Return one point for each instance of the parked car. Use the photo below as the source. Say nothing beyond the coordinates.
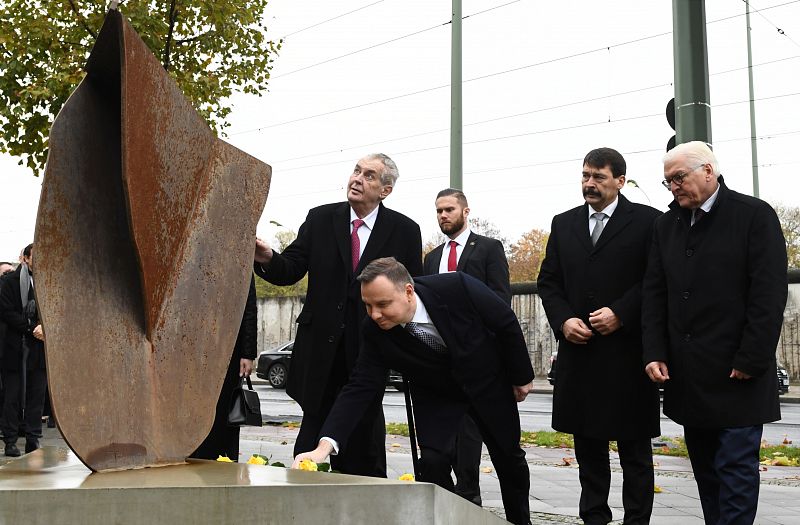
(783, 375)
(273, 365)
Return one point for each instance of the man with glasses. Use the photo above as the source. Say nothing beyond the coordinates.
(590, 285)
(713, 301)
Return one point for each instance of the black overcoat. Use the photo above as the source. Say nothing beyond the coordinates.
(714, 297)
(333, 309)
(18, 329)
(601, 389)
(483, 258)
(486, 355)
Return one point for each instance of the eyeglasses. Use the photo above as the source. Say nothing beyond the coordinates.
(678, 178)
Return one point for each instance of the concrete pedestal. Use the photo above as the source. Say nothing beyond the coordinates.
(51, 486)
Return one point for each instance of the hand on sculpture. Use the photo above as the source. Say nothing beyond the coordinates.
(38, 333)
(245, 367)
(605, 321)
(657, 371)
(521, 392)
(736, 374)
(576, 331)
(263, 254)
(318, 455)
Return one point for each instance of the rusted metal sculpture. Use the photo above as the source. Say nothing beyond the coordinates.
(144, 249)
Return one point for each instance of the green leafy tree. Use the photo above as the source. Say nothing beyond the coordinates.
(790, 224)
(211, 48)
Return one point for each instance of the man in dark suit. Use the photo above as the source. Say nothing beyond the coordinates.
(23, 365)
(334, 243)
(590, 286)
(463, 350)
(483, 258)
(713, 302)
(5, 268)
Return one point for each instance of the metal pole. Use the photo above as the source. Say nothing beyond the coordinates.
(753, 145)
(456, 153)
(412, 434)
(692, 98)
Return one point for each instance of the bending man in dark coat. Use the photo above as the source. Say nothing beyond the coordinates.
(590, 285)
(483, 258)
(334, 243)
(714, 297)
(467, 355)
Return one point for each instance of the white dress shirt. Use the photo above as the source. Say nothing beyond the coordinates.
(461, 241)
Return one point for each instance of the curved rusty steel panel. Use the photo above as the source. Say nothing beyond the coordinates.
(144, 248)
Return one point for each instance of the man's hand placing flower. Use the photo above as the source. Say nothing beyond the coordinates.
(318, 455)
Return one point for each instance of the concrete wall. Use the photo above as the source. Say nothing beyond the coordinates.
(276, 324)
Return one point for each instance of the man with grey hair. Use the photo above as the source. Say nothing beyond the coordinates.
(332, 246)
(713, 300)
(463, 351)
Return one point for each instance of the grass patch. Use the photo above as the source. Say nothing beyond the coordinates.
(544, 438)
(397, 429)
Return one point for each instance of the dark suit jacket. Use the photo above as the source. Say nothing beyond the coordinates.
(714, 297)
(17, 327)
(486, 356)
(483, 258)
(333, 310)
(601, 388)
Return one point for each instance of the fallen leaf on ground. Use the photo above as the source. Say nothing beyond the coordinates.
(486, 470)
(567, 461)
(657, 489)
(394, 445)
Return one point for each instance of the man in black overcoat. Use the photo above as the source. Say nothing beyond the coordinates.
(590, 286)
(332, 246)
(713, 302)
(463, 351)
(23, 364)
(483, 258)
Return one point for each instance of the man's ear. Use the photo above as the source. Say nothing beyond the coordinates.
(385, 191)
(409, 290)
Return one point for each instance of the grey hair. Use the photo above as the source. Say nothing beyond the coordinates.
(697, 151)
(390, 174)
(389, 267)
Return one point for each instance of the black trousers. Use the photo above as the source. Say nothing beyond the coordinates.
(594, 471)
(725, 466)
(34, 403)
(365, 454)
(509, 463)
(223, 440)
(467, 461)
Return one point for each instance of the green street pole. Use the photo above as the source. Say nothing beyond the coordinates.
(692, 99)
(456, 146)
(753, 145)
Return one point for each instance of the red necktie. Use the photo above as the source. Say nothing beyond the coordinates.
(355, 243)
(451, 259)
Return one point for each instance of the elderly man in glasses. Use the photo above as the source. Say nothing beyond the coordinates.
(712, 308)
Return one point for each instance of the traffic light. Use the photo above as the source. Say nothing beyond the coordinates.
(671, 121)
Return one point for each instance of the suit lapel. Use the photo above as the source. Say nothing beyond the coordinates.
(469, 249)
(380, 234)
(440, 315)
(341, 232)
(619, 220)
(580, 227)
(434, 260)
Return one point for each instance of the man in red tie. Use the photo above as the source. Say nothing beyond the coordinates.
(332, 246)
(483, 258)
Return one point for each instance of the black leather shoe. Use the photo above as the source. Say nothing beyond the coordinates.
(51, 422)
(12, 451)
(31, 445)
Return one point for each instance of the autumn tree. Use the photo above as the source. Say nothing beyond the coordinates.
(790, 224)
(527, 255)
(211, 49)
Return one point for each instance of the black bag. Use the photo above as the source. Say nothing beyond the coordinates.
(245, 407)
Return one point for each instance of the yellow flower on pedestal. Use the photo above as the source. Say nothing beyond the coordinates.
(225, 459)
(406, 477)
(256, 460)
(307, 464)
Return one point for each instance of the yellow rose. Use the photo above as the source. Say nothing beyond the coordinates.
(225, 459)
(406, 477)
(255, 460)
(307, 464)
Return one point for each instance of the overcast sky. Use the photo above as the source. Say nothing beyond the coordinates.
(544, 82)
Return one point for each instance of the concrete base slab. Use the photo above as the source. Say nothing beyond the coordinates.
(52, 486)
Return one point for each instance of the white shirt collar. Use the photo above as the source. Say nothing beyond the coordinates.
(462, 238)
(369, 220)
(706, 206)
(421, 314)
(608, 210)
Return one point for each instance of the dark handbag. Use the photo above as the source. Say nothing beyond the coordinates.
(245, 408)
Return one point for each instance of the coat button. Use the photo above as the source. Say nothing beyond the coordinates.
(339, 306)
(685, 295)
(342, 326)
(590, 297)
(687, 337)
(689, 252)
(330, 339)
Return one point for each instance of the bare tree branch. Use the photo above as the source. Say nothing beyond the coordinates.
(173, 15)
(82, 19)
(210, 32)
